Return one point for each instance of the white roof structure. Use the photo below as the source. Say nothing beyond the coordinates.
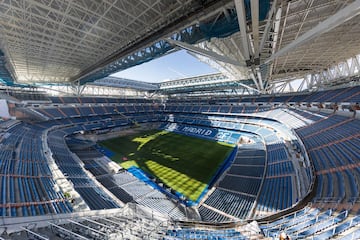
(270, 42)
(316, 41)
(58, 41)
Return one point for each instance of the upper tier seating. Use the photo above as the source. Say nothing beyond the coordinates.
(349, 94)
(333, 145)
(27, 187)
(92, 194)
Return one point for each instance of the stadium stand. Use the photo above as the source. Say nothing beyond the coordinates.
(124, 185)
(92, 194)
(333, 193)
(200, 234)
(27, 188)
(189, 119)
(267, 164)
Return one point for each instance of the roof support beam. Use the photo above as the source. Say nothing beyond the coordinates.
(356, 63)
(253, 77)
(255, 27)
(240, 11)
(302, 84)
(248, 87)
(269, 22)
(204, 52)
(335, 20)
(259, 78)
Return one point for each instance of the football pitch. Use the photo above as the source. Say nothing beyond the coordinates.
(186, 164)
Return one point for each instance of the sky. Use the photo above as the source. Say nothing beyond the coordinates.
(173, 66)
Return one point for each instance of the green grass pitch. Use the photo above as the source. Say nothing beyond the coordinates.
(186, 164)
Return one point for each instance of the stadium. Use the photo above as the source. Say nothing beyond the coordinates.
(265, 147)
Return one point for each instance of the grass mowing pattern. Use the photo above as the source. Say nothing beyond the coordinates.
(185, 164)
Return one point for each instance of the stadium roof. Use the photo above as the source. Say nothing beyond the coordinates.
(263, 41)
(125, 83)
(58, 41)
